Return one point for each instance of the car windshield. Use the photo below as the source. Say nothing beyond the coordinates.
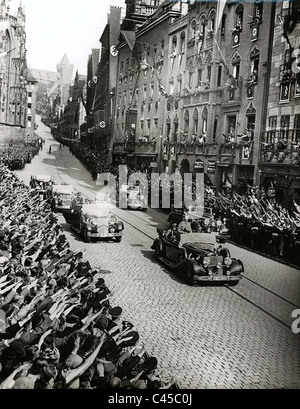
(203, 240)
(97, 220)
(201, 245)
(64, 196)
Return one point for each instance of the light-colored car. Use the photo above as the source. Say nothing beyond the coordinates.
(41, 184)
(95, 222)
(135, 199)
(61, 197)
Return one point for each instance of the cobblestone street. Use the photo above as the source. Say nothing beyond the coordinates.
(208, 337)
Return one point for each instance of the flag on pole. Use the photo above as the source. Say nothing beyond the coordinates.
(220, 9)
(4, 53)
(222, 56)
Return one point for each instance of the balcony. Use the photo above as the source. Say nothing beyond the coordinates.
(199, 95)
(196, 148)
(136, 147)
(280, 146)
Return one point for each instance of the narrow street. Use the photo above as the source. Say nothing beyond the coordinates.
(208, 337)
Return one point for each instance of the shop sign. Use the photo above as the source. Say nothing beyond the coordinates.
(211, 167)
(198, 164)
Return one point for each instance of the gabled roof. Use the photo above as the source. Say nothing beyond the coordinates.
(30, 77)
(45, 76)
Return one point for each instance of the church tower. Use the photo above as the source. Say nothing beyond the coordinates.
(65, 69)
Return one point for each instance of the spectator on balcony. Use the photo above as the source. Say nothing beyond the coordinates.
(202, 139)
(282, 144)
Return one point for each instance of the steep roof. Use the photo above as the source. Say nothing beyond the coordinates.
(65, 60)
(44, 75)
(30, 77)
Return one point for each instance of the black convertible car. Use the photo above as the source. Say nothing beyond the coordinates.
(198, 258)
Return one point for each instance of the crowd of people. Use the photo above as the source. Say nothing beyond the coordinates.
(58, 327)
(257, 223)
(16, 157)
(254, 220)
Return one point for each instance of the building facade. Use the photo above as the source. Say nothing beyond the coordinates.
(143, 54)
(31, 105)
(196, 87)
(74, 114)
(104, 82)
(279, 161)
(13, 76)
(53, 89)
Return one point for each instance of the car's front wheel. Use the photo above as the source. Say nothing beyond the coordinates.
(86, 236)
(119, 239)
(189, 276)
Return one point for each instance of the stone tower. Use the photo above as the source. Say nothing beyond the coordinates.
(65, 69)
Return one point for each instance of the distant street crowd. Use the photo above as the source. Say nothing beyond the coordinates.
(16, 157)
(58, 329)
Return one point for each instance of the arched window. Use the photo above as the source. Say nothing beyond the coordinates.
(235, 62)
(239, 12)
(175, 134)
(216, 122)
(168, 123)
(258, 10)
(202, 25)
(211, 23)
(250, 116)
(204, 121)
(174, 43)
(195, 122)
(186, 121)
(254, 64)
(182, 42)
(193, 28)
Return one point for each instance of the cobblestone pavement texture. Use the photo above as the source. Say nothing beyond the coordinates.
(208, 337)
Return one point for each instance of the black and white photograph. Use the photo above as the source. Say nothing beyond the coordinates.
(150, 197)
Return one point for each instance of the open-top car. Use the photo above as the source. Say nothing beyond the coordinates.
(135, 198)
(192, 213)
(95, 222)
(61, 197)
(41, 184)
(198, 258)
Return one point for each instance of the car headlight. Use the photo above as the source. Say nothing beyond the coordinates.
(206, 261)
(210, 273)
(227, 261)
(111, 229)
(119, 226)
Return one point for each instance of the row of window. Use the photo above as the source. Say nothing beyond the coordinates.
(284, 132)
